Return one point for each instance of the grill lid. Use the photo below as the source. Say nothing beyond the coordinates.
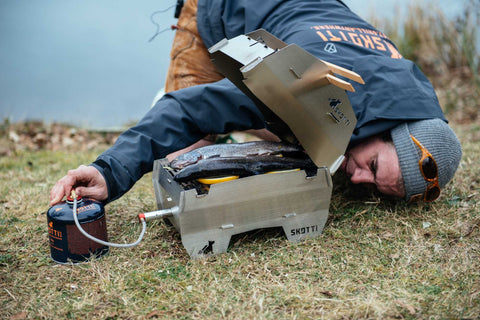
(295, 91)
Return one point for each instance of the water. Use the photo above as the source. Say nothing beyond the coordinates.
(89, 63)
(84, 62)
(390, 9)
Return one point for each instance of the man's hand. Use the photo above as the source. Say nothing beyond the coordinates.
(87, 182)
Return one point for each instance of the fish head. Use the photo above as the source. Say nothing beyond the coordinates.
(186, 159)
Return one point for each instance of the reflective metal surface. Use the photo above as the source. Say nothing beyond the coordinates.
(206, 222)
(300, 97)
(299, 88)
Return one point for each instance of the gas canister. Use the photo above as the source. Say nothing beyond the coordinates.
(67, 243)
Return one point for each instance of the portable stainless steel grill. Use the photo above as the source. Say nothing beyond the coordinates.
(302, 91)
(207, 217)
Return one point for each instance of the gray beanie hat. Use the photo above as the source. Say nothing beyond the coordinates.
(439, 139)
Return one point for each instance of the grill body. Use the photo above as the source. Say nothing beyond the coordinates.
(209, 216)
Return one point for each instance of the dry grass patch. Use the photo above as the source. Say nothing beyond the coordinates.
(376, 258)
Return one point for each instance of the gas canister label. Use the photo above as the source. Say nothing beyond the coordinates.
(56, 234)
(85, 208)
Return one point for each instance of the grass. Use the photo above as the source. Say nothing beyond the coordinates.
(446, 50)
(376, 259)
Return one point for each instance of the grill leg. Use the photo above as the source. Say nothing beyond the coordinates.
(201, 244)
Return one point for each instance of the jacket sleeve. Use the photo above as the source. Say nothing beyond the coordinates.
(178, 120)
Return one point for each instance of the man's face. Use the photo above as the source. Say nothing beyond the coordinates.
(374, 162)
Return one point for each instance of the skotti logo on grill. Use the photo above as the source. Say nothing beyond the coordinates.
(303, 230)
(337, 113)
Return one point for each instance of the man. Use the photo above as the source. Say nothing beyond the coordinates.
(401, 143)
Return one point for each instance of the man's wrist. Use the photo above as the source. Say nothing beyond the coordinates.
(106, 172)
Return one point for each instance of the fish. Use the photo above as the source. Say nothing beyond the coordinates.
(237, 166)
(231, 150)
